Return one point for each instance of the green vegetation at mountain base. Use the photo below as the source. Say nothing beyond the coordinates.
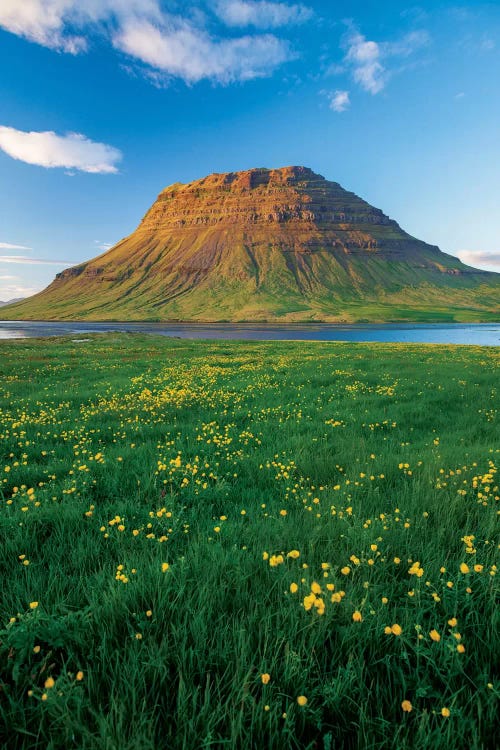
(269, 245)
(248, 545)
(460, 300)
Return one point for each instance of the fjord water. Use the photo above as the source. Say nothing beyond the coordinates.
(479, 334)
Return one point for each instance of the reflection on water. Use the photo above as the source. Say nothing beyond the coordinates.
(481, 334)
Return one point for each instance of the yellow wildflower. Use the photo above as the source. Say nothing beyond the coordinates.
(275, 560)
(416, 570)
(309, 601)
(320, 606)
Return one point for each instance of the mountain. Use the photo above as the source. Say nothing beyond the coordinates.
(11, 301)
(267, 244)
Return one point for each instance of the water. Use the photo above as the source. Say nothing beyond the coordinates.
(480, 334)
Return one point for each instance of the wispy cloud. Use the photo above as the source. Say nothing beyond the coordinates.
(479, 258)
(172, 44)
(13, 287)
(367, 59)
(24, 260)
(14, 291)
(103, 245)
(364, 56)
(43, 22)
(47, 149)
(339, 100)
(10, 246)
(407, 45)
(261, 13)
(181, 50)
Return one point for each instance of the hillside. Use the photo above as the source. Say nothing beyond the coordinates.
(282, 244)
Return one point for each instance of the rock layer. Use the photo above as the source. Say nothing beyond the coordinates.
(268, 244)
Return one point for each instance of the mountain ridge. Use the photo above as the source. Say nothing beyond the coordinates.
(267, 244)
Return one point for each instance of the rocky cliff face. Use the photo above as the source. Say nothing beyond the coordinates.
(294, 196)
(263, 243)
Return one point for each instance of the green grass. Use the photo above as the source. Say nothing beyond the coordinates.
(127, 451)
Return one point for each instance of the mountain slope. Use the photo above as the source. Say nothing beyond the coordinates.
(282, 244)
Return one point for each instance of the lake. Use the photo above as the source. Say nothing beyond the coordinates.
(479, 334)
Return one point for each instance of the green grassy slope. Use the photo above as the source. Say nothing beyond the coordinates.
(263, 284)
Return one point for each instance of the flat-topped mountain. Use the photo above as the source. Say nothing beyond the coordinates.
(267, 244)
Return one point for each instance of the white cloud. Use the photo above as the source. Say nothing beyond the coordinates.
(10, 246)
(261, 13)
(477, 259)
(47, 149)
(24, 260)
(183, 51)
(41, 21)
(56, 23)
(339, 101)
(365, 57)
(169, 44)
(405, 46)
(14, 291)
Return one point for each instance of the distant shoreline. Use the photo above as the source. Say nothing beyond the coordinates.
(482, 333)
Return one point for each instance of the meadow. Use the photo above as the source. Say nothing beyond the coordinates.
(248, 545)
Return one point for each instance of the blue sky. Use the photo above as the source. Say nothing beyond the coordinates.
(105, 102)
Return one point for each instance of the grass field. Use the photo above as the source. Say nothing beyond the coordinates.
(248, 545)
